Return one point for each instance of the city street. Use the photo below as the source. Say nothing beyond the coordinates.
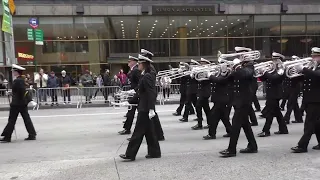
(83, 144)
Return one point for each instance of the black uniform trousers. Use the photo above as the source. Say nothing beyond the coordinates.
(191, 100)
(202, 102)
(130, 116)
(283, 103)
(183, 98)
(219, 111)
(274, 111)
(241, 120)
(302, 107)
(293, 105)
(144, 127)
(157, 126)
(311, 125)
(13, 115)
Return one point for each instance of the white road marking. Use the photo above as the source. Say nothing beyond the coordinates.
(75, 115)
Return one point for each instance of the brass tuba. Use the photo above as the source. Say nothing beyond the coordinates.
(261, 68)
(292, 70)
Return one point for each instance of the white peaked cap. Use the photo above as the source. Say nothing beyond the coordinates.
(133, 58)
(195, 62)
(204, 60)
(144, 59)
(242, 49)
(277, 55)
(315, 51)
(294, 57)
(143, 51)
(17, 67)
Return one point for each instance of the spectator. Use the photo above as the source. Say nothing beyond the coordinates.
(123, 77)
(106, 83)
(41, 80)
(53, 84)
(65, 82)
(115, 81)
(87, 81)
(99, 83)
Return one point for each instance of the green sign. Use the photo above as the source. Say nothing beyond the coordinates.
(30, 34)
(7, 18)
(39, 36)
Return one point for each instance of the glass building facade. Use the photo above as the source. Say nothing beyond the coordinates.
(100, 42)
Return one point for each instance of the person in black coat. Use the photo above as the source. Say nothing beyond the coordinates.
(146, 111)
(220, 111)
(274, 94)
(204, 92)
(183, 97)
(242, 102)
(106, 82)
(133, 79)
(18, 105)
(311, 100)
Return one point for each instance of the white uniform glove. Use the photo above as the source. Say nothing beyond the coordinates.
(192, 75)
(299, 68)
(132, 91)
(32, 103)
(151, 113)
(236, 61)
(280, 71)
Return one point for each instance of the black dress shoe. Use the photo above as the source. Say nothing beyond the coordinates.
(317, 147)
(263, 134)
(248, 150)
(226, 153)
(208, 137)
(129, 139)
(183, 120)
(124, 132)
(287, 121)
(196, 127)
(298, 149)
(30, 138)
(176, 114)
(254, 124)
(123, 156)
(297, 121)
(281, 132)
(148, 156)
(206, 127)
(226, 135)
(125, 116)
(5, 140)
(161, 139)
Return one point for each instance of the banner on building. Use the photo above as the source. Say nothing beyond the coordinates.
(6, 17)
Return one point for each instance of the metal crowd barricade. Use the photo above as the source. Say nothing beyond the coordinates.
(6, 97)
(104, 94)
(58, 96)
(170, 93)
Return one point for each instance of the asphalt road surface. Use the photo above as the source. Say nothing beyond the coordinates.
(83, 144)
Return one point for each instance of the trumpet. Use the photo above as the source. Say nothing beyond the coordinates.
(243, 56)
(292, 70)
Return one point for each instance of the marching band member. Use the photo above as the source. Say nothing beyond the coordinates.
(204, 89)
(183, 96)
(146, 111)
(311, 100)
(157, 124)
(133, 76)
(220, 97)
(255, 98)
(242, 76)
(274, 94)
(18, 105)
(192, 88)
(293, 86)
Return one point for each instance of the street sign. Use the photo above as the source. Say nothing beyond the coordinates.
(34, 22)
(39, 36)
(30, 34)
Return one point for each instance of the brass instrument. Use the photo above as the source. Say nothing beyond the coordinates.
(261, 68)
(243, 56)
(292, 70)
